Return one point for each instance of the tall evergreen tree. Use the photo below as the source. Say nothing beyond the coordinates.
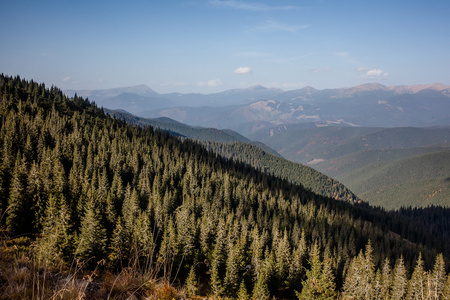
(360, 277)
(92, 239)
(319, 283)
(261, 288)
(19, 218)
(437, 279)
(56, 242)
(218, 261)
(417, 283)
(242, 292)
(191, 283)
(399, 280)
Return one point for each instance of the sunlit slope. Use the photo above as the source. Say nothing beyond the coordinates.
(296, 173)
(385, 166)
(339, 166)
(415, 181)
(327, 143)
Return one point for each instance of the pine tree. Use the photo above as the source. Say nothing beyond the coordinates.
(446, 294)
(417, 283)
(92, 239)
(399, 280)
(37, 198)
(119, 248)
(437, 278)
(218, 261)
(296, 269)
(191, 283)
(56, 242)
(327, 279)
(386, 280)
(186, 232)
(242, 292)
(319, 283)
(168, 250)
(282, 259)
(261, 288)
(216, 283)
(311, 286)
(233, 269)
(19, 218)
(360, 277)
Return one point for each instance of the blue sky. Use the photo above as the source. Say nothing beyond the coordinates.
(214, 45)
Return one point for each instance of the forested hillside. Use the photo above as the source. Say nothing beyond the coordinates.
(232, 145)
(388, 167)
(285, 169)
(93, 206)
(420, 180)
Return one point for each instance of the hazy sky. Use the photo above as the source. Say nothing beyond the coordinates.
(213, 45)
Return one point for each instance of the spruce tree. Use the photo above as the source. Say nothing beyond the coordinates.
(319, 283)
(386, 280)
(233, 269)
(399, 280)
(56, 242)
(19, 218)
(296, 269)
(360, 276)
(261, 288)
(311, 286)
(218, 261)
(92, 239)
(283, 259)
(327, 279)
(191, 283)
(242, 293)
(417, 283)
(437, 278)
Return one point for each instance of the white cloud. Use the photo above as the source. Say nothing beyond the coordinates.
(65, 79)
(211, 83)
(374, 73)
(243, 70)
(251, 6)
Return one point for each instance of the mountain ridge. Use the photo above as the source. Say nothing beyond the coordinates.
(370, 104)
(145, 89)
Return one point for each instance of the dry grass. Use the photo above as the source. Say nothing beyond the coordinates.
(23, 277)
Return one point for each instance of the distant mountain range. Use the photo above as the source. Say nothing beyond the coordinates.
(247, 110)
(390, 167)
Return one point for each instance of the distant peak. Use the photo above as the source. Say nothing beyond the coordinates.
(140, 89)
(309, 89)
(257, 87)
(370, 87)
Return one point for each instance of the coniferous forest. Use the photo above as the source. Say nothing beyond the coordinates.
(94, 208)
